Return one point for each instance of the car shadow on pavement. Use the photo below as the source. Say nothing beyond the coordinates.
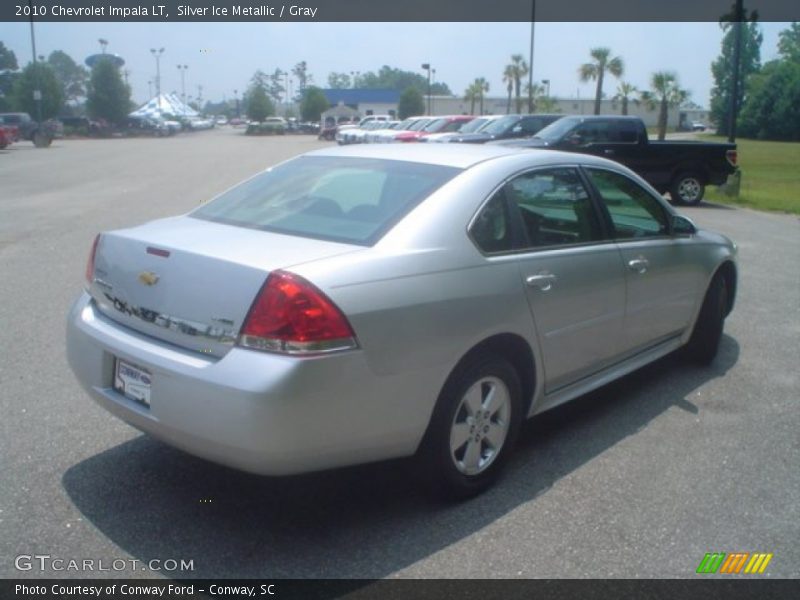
(155, 502)
(709, 204)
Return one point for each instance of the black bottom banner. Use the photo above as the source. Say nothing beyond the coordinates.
(415, 589)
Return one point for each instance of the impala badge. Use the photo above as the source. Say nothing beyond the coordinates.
(148, 278)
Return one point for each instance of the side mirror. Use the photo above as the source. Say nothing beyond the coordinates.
(683, 225)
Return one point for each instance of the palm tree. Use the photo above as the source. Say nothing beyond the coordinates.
(665, 93)
(517, 69)
(597, 70)
(508, 79)
(624, 92)
(535, 94)
(471, 94)
(482, 86)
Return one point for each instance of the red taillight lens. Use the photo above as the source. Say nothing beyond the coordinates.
(290, 315)
(90, 261)
(732, 156)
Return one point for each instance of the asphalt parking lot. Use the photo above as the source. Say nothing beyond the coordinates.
(638, 479)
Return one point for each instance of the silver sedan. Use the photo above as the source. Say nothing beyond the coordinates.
(369, 302)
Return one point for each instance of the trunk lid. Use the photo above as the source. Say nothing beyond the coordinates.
(191, 282)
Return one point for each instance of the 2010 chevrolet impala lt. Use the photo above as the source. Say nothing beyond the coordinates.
(368, 302)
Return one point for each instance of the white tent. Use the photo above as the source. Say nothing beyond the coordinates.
(165, 104)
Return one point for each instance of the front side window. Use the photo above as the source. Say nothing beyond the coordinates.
(347, 199)
(554, 207)
(634, 212)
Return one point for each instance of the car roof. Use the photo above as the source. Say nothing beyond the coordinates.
(604, 117)
(462, 156)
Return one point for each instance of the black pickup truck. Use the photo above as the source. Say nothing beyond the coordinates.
(682, 168)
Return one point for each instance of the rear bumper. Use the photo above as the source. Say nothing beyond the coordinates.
(258, 412)
(721, 177)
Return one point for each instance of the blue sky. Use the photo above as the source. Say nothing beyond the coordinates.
(223, 56)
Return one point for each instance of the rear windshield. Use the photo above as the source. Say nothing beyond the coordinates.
(347, 199)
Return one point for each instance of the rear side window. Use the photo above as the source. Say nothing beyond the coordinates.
(347, 199)
(547, 207)
(555, 208)
(491, 229)
(625, 132)
(633, 210)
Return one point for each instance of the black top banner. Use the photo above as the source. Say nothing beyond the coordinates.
(391, 10)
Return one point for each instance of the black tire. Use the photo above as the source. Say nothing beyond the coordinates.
(703, 345)
(41, 139)
(444, 467)
(687, 188)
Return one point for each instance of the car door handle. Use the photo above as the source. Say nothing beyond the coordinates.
(639, 264)
(608, 151)
(544, 281)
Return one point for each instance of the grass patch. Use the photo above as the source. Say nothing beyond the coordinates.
(770, 175)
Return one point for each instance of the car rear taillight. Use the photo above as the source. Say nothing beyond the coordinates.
(291, 316)
(732, 156)
(90, 261)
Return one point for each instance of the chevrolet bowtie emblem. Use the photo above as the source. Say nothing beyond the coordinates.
(148, 278)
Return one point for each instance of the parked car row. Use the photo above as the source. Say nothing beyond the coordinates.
(442, 129)
(682, 168)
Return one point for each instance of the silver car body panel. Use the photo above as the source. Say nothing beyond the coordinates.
(418, 300)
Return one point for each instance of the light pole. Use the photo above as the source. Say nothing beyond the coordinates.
(733, 104)
(157, 54)
(199, 98)
(546, 84)
(37, 92)
(286, 89)
(103, 44)
(182, 69)
(354, 75)
(530, 58)
(236, 97)
(433, 82)
(149, 88)
(427, 67)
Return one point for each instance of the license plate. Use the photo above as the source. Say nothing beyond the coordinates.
(132, 381)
